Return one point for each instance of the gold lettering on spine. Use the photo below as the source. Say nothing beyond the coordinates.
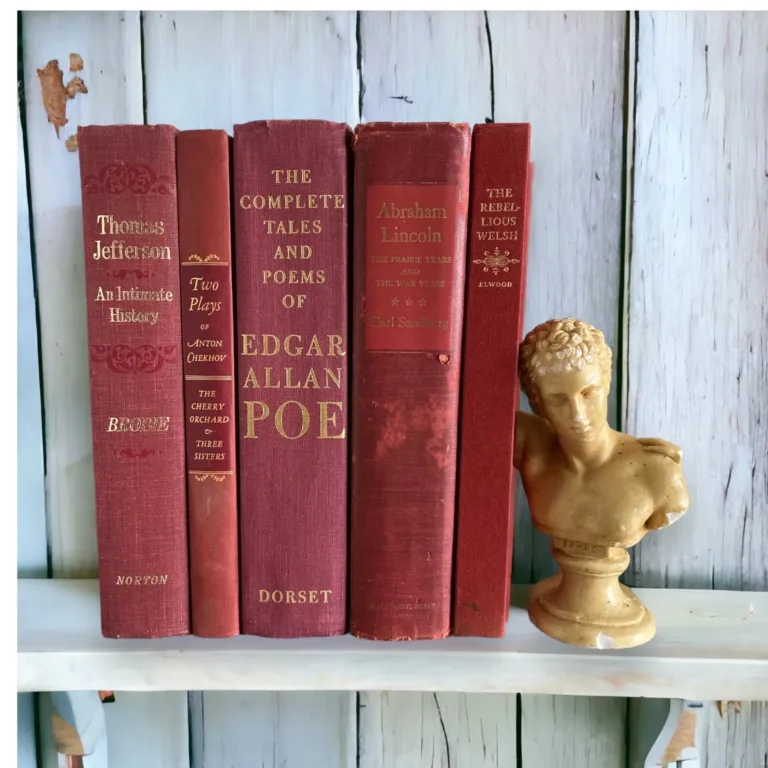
(304, 420)
(295, 596)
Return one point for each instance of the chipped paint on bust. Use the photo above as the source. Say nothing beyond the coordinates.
(604, 642)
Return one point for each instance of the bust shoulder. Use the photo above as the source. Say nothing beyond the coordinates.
(663, 472)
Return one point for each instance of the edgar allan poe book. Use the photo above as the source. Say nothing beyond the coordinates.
(291, 245)
(130, 227)
(209, 366)
(411, 198)
(490, 391)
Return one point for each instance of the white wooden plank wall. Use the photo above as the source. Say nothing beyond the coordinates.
(311, 73)
(697, 350)
(30, 522)
(696, 269)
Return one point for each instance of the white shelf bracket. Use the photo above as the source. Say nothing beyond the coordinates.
(677, 745)
(79, 729)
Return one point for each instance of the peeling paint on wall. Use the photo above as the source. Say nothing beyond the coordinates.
(56, 94)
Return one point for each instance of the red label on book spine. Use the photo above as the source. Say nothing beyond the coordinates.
(130, 226)
(406, 377)
(209, 367)
(490, 388)
(291, 203)
(409, 266)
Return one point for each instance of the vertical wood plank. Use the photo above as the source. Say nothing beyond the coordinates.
(249, 66)
(571, 731)
(430, 67)
(252, 66)
(425, 66)
(110, 46)
(31, 544)
(698, 356)
(32, 549)
(147, 730)
(437, 729)
(311, 730)
(564, 73)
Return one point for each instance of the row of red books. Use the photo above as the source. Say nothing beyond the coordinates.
(235, 493)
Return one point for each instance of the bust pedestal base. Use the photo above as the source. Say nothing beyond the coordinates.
(585, 604)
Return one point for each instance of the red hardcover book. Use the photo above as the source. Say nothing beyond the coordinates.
(291, 244)
(490, 387)
(130, 226)
(205, 246)
(411, 197)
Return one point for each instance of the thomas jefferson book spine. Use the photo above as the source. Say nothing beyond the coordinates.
(490, 387)
(291, 260)
(411, 199)
(205, 245)
(130, 227)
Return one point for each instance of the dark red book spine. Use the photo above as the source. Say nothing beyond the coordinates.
(411, 197)
(130, 227)
(490, 387)
(291, 260)
(205, 246)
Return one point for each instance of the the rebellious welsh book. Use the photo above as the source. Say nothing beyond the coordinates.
(490, 388)
(130, 226)
(205, 245)
(291, 243)
(411, 199)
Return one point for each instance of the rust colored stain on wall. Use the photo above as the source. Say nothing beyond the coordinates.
(56, 94)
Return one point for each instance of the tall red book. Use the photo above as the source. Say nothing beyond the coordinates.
(291, 260)
(205, 245)
(411, 197)
(130, 226)
(490, 388)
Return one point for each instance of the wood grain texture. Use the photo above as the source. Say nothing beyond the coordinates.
(432, 730)
(567, 731)
(213, 70)
(425, 66)
(32, 547)
(147, 730)
(698, 355)
(31, 544)
(110, 46)
(311, 730)
(576, 111)
(419, 66)
(251, 66)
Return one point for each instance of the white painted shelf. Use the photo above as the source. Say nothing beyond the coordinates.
(709, 645)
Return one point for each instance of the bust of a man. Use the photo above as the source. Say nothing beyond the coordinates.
(593, 490)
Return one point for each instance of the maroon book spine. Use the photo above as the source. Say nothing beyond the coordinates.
(205, 246)
(291, 260)
(490, 388)
(411, 197)
(130, 227)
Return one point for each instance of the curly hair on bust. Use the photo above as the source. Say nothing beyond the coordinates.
(558, 346)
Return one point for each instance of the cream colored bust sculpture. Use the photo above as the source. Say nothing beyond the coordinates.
(593, 490)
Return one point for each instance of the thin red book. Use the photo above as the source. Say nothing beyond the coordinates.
(291, 181)
(130, 227)
(205, 245)
(411, 197)
(490, 389)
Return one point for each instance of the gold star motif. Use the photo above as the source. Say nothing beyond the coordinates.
(409, 302)
(395, 302)
(422, 302)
